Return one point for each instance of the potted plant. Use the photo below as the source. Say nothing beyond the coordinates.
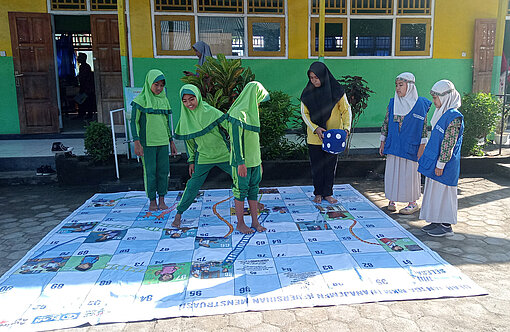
(220, 80)
(357, 92)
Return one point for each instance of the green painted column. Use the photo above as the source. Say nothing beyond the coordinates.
(121, 12)
(498, 47)
(322, 28)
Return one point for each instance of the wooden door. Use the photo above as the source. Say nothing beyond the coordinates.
(107, 68)
(34, 71)
(483, 57)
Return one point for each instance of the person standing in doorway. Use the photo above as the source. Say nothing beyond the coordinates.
(86, 80)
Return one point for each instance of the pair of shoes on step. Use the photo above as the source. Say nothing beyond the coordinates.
(409, 209)
(45, 170)
(438, 229)
(57, 147)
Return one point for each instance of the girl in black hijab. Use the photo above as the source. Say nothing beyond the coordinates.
(324, 106)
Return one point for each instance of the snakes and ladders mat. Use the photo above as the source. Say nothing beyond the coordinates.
(113, 260)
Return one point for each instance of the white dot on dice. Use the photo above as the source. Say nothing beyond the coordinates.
(338, 136)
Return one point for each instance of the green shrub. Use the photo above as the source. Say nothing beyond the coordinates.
(480, 112)
(275, 115)
(98, 142)
(220, 80)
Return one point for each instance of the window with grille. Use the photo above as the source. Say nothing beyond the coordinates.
(266, 6)
(253, 28)
(68, 4)
(173, 5)
(338, 7)
(103, 4)
(223, 34)
(266, 36)
(370, 37)
(413, 36)
(82, 41)
(220, 6)
(377, 7)
(335, 31)
(175, 35)
(413, 7)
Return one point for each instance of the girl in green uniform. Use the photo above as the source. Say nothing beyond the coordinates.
(245, 153)
(150, 125)
(206, 144)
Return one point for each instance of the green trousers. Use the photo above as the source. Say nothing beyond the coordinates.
(156, 166)
(196, 181)
(246, 187)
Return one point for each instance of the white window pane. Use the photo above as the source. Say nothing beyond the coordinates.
(223, 34)
(175, 36)
(266, 36)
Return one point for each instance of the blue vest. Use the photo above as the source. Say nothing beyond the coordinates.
(427, 162)
(404, 142)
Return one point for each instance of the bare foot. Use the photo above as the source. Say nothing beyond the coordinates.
(331, 199)
(241, 227)
(258, 226)
(153, 206)
(317, 199)
(177, 221)
(161, 204)
(260, 206)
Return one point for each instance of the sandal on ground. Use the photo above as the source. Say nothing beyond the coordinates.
(410, 209)
(392, 207)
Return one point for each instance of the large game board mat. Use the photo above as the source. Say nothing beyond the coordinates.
(113, 260)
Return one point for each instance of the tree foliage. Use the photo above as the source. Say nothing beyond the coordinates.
(481, 113)
(98, 142)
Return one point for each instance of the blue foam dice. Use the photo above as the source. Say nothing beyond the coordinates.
(334, 141)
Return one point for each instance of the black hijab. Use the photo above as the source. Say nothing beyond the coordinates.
(320, 101)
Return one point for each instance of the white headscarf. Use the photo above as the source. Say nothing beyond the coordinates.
(403, 105)
(449, 97)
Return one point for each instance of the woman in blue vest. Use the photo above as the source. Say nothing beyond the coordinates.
(440, 161)
(403, 139)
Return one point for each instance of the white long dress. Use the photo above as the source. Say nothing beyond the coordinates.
(439, 203)
(402, 182)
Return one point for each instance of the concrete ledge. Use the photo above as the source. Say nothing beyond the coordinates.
(25, 163)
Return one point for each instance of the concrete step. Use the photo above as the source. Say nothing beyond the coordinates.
(502, 169)
(25, 177)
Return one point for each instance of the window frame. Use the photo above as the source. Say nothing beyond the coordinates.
(249, 53)
(315, 20)
(405, 20)
(157, 32)
(283, 44)
(394, 16)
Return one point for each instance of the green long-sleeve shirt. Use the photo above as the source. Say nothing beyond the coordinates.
(245, 147)
(210, 148)
(150, 129)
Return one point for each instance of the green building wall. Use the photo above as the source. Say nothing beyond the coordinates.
(289, 76)
(9, 119)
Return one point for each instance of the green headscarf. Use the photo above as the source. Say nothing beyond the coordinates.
(244, 112)
(148, 102)
(197, 122)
